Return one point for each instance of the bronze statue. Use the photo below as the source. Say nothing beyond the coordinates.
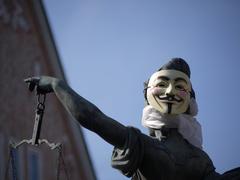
(173, 149)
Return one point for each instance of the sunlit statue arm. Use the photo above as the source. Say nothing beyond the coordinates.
(86, 113)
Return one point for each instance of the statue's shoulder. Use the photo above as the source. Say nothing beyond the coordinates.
(233, 174)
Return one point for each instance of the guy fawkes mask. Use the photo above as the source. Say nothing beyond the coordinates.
(169, 91)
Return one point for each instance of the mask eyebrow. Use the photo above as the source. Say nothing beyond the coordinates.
(163, 78)
(180, 79)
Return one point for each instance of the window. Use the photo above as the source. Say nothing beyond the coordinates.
(2, 157)
(15, 164)
(33, 165)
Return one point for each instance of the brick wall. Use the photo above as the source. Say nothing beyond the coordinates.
(27, 49)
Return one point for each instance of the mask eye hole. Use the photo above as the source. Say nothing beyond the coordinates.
(180, 87)
(162, 85)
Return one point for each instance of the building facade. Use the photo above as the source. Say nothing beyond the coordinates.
(27, 49)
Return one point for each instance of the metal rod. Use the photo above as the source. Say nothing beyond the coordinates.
(38, 121)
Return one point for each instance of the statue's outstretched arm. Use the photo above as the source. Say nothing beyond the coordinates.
(86, 113)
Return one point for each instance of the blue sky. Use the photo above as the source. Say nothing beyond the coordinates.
(109, 48)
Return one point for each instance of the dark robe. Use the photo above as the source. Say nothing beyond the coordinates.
(166, 157)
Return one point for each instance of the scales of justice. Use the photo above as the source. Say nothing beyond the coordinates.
(11, 170)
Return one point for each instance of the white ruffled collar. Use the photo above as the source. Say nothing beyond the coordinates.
(186, 124)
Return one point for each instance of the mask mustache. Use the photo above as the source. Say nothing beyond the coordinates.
(170, 98)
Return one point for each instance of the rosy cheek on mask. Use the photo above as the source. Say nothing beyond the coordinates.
(182, 93)
(156, 91)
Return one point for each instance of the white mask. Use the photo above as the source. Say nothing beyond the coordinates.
(169, 91)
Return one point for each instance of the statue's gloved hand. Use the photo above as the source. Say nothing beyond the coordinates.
(42, 84)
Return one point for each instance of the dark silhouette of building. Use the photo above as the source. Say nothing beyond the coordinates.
(27, 49)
